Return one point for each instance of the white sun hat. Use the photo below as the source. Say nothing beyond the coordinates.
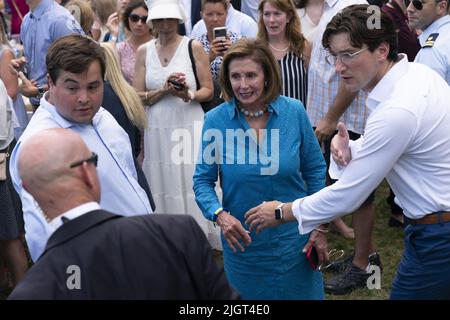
(165, 9)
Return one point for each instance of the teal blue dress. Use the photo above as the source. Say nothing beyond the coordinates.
(286, 165)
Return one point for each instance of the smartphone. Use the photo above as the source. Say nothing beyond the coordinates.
(220, 33)
(313, 257)
(177, 85)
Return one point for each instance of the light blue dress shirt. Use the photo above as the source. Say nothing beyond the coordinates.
(437, 56)
(273, 265)
(40, 28)
(120, 191)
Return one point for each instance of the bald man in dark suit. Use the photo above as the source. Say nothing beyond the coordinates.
(94, 254)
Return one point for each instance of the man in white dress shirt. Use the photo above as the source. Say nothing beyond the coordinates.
(76, 69)
(406, 140)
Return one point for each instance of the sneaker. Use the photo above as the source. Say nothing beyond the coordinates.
(339, 266)
(343, 264)
(352, 278)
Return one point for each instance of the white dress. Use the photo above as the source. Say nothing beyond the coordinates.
(172, 140)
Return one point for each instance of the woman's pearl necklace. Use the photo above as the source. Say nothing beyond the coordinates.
(253, 114)
(279, 50)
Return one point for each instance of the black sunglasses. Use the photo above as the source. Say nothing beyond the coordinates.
(135, 18)
(418, 4)
(93, 158)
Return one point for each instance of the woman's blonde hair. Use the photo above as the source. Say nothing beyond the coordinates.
(257, 51)
(294, 35)
(126, 93)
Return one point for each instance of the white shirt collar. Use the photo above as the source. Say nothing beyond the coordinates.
(74, 213)
(382, 90)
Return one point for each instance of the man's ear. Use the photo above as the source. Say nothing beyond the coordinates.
(89, 175)
(50, 81)
(383, 50)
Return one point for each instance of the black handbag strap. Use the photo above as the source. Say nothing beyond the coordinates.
(194, 69)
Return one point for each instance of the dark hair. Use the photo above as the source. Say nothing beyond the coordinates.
(73, 53)
(224, 2)
(354, 20)
(258, 51)
(133, 4)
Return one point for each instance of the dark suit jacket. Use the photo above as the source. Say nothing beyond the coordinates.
(140, 257)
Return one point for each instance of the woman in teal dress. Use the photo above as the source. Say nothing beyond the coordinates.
(263, 148)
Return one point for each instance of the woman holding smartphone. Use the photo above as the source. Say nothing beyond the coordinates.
(214, 42)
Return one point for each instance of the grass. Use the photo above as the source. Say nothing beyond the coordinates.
(388, 242)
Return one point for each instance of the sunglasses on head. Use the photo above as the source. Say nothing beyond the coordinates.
(135, 18)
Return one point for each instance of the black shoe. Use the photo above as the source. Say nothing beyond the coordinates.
(351, 279)
(343, 264)
(395, 223)
(340, 265)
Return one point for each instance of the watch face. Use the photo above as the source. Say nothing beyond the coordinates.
(278, 214)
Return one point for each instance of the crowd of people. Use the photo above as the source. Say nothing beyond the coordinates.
(137, 137)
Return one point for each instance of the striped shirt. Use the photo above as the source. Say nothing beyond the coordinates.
(294, 77)
(324, 82)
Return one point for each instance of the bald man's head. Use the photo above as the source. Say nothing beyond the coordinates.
(44, 166)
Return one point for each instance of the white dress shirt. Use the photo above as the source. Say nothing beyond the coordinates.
(120, 191)
(73, 214)
(407, 140)
(236, 22)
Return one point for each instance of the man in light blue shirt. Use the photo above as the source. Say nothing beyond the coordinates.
(432, 17)
(76, 68)
(46, 22)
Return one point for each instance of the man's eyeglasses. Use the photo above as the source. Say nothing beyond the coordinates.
(135, 18)
(418, 4)
(345, 57)
(93, 159)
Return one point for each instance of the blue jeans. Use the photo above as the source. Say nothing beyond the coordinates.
(424, 271)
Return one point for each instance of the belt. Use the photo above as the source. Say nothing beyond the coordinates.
(431, 218)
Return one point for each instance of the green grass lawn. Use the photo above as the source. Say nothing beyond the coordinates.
(388, 242)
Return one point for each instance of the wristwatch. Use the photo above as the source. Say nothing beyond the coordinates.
(279, 212)
(41, 92)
